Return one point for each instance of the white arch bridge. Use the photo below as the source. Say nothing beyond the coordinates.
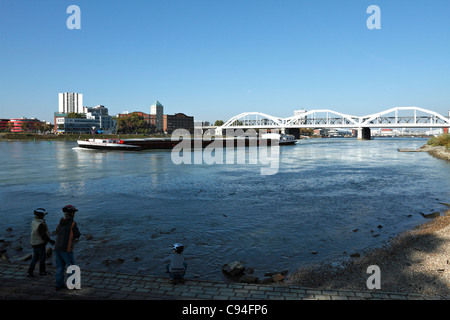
(399, 117)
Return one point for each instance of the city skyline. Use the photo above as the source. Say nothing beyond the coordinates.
(213, 60)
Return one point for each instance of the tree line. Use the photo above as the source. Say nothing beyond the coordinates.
(134, 124)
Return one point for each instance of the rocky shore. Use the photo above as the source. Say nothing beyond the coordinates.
(439, 152)
(417, 261)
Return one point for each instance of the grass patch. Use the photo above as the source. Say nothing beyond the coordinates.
(441, 140)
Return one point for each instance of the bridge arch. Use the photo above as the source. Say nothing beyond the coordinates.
(253, 120)
(432, 117)
(310, 118)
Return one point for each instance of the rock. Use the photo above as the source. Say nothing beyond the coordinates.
(248, 279)
(107, 262)
(9, 229)
(277, 277)
(4, 256)
(270, 274)
(18, 248)
(89, 237)
(430, 215)
(313, 252)
(355, 255)
(379, 226)
(234, 268)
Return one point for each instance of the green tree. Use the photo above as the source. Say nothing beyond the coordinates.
(48, 127)
(25, 126)
(133, 124)
(441, 140)
(76, 115)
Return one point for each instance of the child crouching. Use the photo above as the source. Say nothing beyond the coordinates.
(177, 267)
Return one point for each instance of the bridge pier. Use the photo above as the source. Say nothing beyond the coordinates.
(363, 133)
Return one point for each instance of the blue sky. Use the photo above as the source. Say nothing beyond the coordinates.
(214, 59)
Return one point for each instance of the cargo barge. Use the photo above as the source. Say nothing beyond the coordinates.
(170, 143)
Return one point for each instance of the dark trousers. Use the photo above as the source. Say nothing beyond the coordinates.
(40, 255)
(179, 274)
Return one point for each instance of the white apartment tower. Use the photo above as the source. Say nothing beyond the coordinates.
(157, 109)
(70, 102)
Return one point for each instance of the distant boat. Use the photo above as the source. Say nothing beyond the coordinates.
(283, 139)
(106, 144)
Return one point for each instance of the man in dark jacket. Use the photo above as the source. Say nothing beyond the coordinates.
(39, 238)
(67, 231)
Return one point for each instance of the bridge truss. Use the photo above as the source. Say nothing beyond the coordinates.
(399, 117)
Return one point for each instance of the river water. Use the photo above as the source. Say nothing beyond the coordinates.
(328, 199)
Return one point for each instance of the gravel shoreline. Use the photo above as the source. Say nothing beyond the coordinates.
(417, 261)
(439, 152)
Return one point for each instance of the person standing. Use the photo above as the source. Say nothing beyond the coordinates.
(67, 231)
(39, 239)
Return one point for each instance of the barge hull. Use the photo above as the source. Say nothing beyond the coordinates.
(168, 143)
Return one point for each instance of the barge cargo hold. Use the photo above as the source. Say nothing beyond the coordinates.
(169, 143)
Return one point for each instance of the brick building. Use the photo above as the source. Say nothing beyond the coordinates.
(4, 125)
(24, 125)
(178, 121)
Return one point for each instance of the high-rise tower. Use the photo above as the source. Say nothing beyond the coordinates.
(70, 102)
(157, 109)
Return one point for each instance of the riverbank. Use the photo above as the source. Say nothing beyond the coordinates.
(99, 285)
(67, 137)
(417, 261)
(439, 152)
(438, 147)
